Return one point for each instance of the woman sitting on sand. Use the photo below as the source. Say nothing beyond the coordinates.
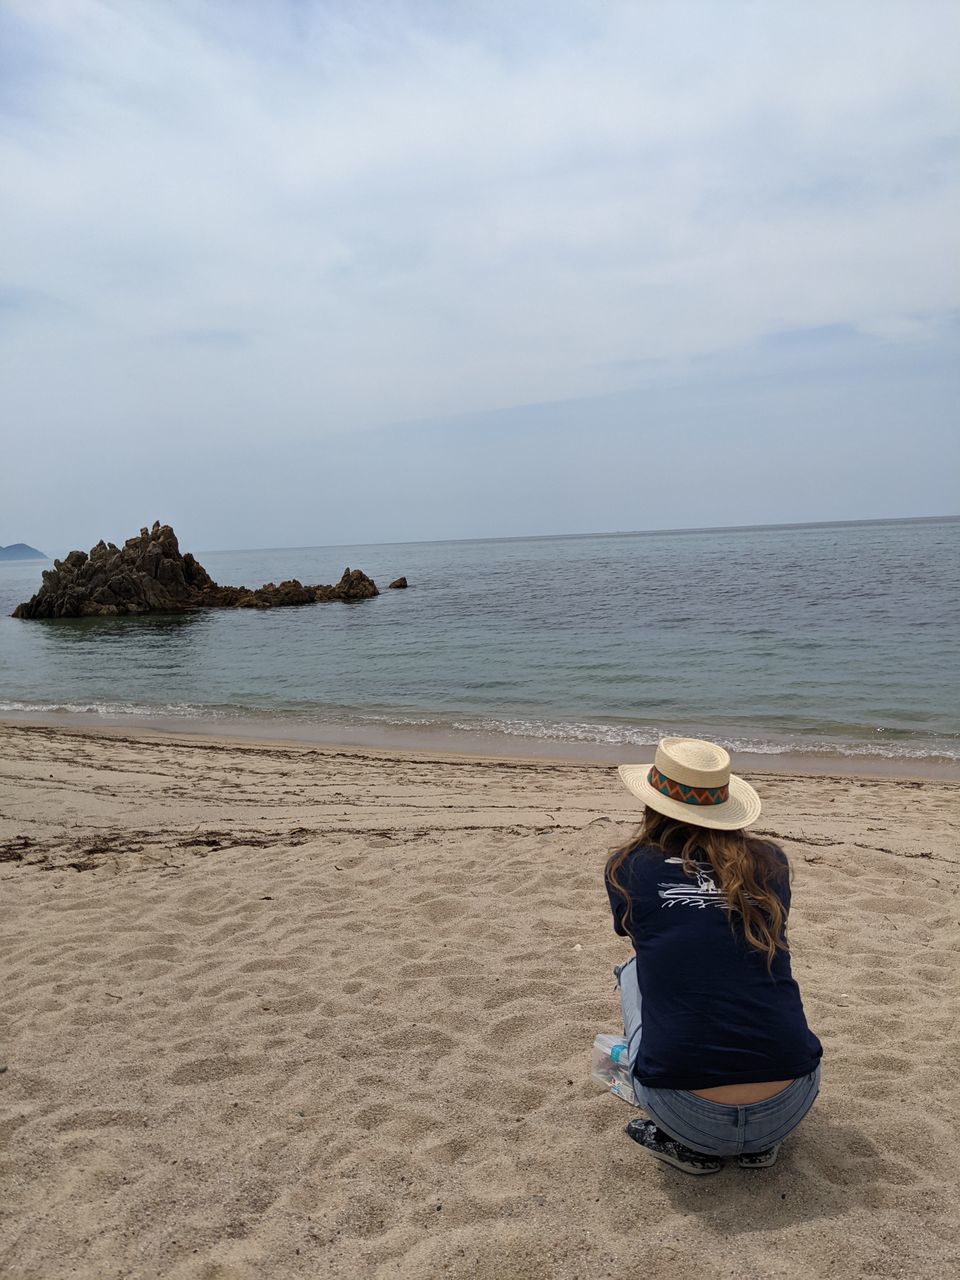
(722, 1057)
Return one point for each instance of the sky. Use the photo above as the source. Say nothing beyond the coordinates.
(304, 273)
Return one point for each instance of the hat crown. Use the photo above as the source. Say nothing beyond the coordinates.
(693, 762)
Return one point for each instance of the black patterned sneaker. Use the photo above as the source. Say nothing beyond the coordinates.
(667, 1149)
(759, 1159)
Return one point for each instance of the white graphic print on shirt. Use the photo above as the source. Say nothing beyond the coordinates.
(704, 893)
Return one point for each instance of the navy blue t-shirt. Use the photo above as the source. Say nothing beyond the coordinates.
(712, 1012)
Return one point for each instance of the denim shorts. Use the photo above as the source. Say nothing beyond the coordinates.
(713, 1128)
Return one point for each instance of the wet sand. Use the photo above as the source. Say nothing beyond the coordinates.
(855, 761)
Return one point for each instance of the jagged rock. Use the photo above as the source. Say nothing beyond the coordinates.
(150, 575)
(271, 596)
(354, 585)
(398, 584)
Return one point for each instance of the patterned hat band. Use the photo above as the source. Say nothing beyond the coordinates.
(687, 795)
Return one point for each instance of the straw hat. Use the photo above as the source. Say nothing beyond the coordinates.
(690, 780)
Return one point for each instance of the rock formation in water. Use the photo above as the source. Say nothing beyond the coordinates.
(399, 584)
(20, 551)
(148, 574)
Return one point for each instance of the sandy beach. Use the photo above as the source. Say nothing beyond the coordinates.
(277, 1010)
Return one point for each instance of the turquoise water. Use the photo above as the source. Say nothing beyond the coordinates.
(813, 638)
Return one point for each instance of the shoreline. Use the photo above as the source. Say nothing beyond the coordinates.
(397, 742)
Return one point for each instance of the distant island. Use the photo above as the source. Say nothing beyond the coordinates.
(20, 551)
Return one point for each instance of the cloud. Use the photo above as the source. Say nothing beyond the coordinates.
(401, 212)
(225, 339)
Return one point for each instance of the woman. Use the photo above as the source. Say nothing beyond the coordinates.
(722, 1057)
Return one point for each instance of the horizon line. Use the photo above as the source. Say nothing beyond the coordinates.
(605, 533)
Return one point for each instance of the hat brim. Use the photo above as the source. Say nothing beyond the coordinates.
(740, 810)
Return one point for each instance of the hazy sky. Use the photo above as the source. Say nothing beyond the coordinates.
(297, 272)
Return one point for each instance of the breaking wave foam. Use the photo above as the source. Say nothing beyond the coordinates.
(760, 742)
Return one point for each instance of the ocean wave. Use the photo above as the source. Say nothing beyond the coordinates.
(562, 732)
(645, 736)
(114, 709)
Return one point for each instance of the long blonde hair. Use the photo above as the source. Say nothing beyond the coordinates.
(745, 868)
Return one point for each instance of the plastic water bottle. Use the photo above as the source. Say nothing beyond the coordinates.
(610, 1069)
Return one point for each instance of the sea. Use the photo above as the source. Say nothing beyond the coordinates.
(838, 640)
